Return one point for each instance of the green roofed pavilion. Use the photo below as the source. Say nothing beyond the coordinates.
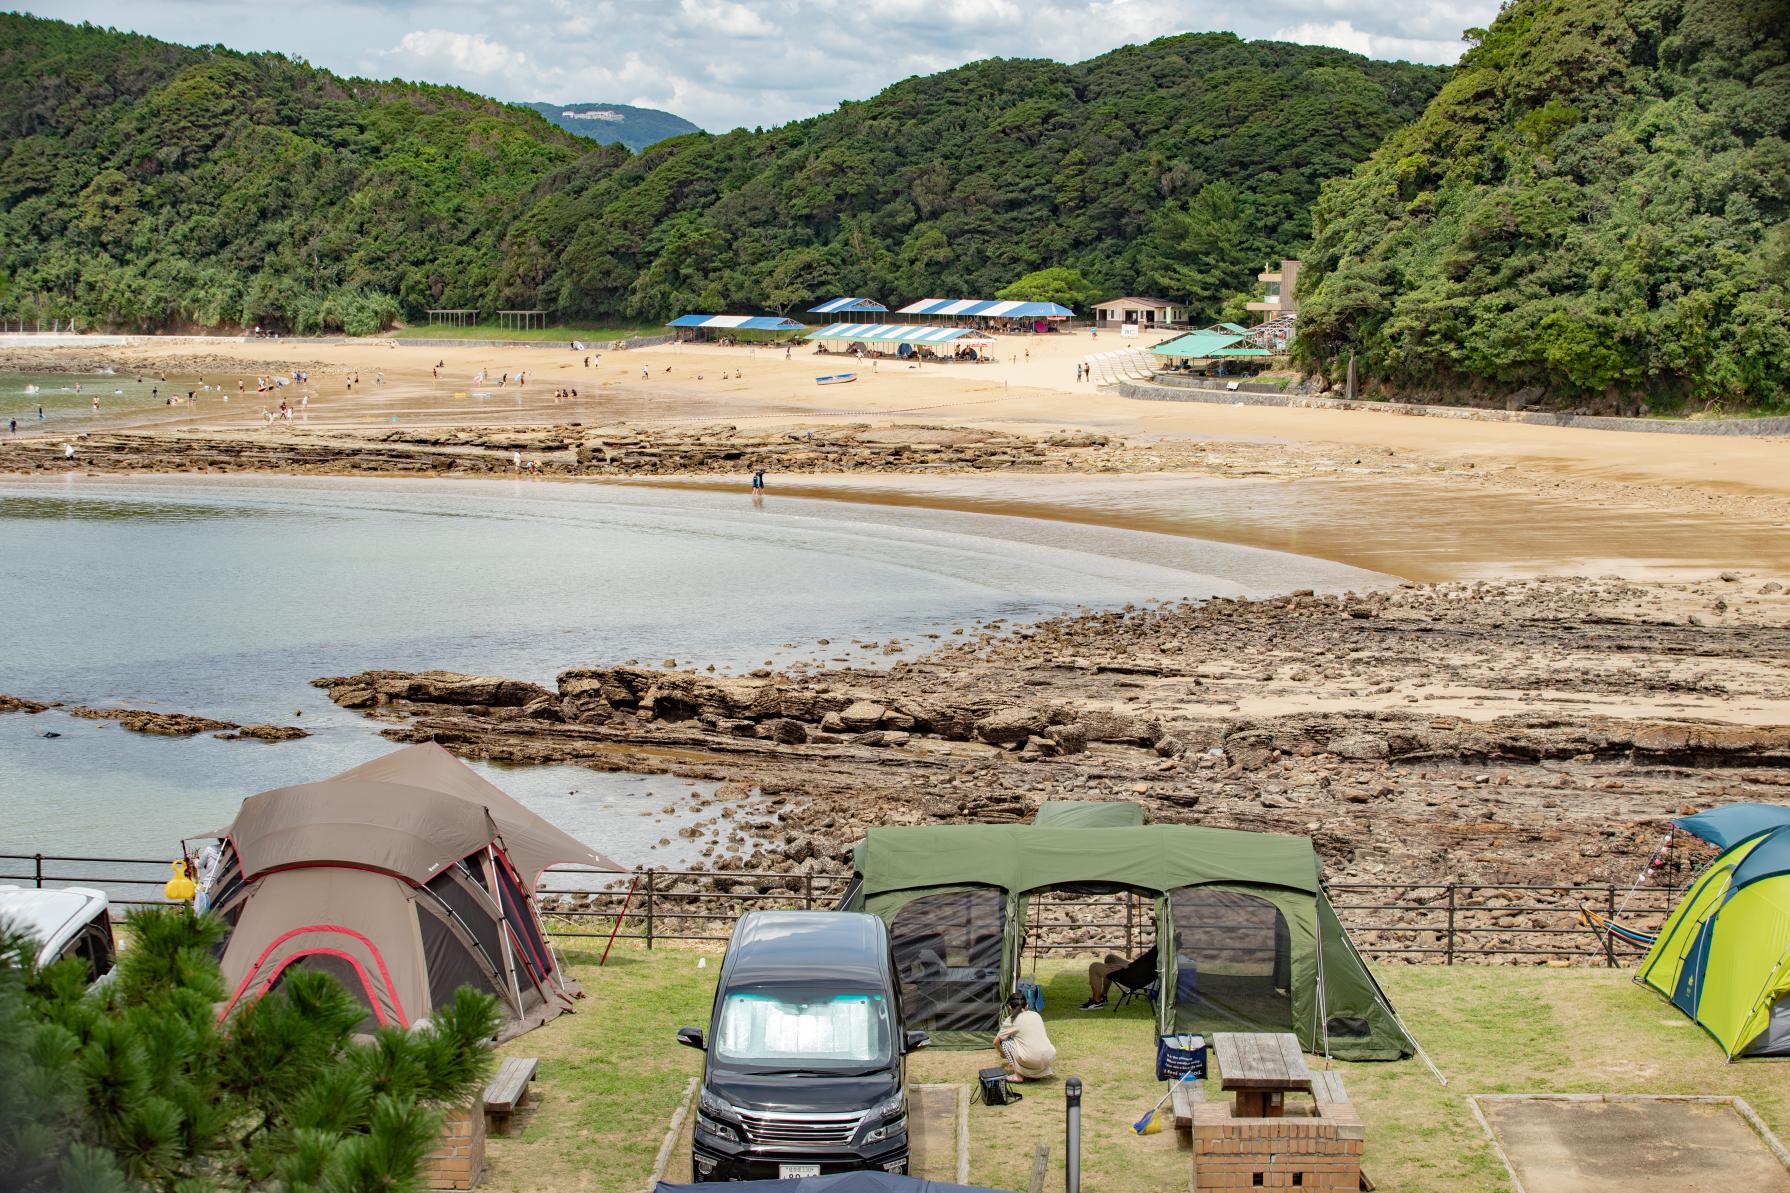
(1200, 345)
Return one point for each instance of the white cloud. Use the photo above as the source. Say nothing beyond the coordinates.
(1344, 36)
(724, 63)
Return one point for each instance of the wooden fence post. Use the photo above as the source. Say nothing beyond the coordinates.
(1609, 945)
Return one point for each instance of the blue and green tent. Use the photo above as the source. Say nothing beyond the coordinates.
(1723, 956)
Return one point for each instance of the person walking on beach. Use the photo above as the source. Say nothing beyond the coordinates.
(758, 480)
(14, 428)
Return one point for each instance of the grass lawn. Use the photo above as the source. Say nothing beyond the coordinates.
(558, 331)
(611, 1075)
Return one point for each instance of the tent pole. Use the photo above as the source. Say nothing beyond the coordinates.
(1387, 1007)
(503, 934)
(635, 881)
(1321, 1029)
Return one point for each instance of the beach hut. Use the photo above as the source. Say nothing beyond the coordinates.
(1254, 942)
(1145, 313)
(1199, 350)
(903, 340)
(849, 306)
(1723, 956)
(405, 878)
(729, 327)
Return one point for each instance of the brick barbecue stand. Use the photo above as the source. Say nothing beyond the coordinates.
(459, 1156)
(1320, 1151)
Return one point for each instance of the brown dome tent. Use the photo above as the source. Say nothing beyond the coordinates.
(405, 878)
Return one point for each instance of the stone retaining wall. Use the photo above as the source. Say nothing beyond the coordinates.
(1774, 426)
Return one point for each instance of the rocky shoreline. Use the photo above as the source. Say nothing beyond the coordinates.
(159, 724)
(1539, 731)
(568, 450)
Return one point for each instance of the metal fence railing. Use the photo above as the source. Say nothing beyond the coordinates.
(1435, 922)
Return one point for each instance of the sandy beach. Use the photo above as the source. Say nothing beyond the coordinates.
(1421, 498)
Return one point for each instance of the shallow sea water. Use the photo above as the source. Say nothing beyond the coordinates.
(227, 596)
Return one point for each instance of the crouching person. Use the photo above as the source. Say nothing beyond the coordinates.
(1025, 1047)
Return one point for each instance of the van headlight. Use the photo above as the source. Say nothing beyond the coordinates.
(891, 1117)
(716, 1116)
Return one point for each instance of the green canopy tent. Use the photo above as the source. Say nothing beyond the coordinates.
(1087, 813)
(1257, 946)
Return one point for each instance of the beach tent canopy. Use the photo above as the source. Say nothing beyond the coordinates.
(1256, 944)
(983, 308)
(898, 333)
(842, 306)
(406, 878)
(1198, 345)
(737, 322)
(1723, 956)
(1087, 813)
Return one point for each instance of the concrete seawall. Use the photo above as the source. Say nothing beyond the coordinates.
(1767, 427)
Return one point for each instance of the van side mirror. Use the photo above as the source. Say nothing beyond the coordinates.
(691, 1037)
(916, 1040)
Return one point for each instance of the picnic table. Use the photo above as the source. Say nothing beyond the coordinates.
(1260, 1067)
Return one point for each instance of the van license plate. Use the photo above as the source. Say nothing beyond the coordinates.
(788, 1172)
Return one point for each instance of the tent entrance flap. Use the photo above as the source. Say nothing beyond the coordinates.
(1233, 961)
(950, 951)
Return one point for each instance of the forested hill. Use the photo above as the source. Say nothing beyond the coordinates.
(616, 124)
(149, 185)
(1595, 205)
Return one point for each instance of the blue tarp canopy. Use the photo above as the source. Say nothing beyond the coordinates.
(982, 308)
(839, 306)
(903, 333)
(737, 322)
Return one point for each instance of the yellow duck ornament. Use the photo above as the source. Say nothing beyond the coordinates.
(180, 888)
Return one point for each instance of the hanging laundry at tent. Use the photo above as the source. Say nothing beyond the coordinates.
(405, 878)
(1723, 955)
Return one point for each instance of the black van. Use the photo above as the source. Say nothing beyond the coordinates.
(806, 1072)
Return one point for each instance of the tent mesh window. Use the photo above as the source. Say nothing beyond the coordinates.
(453, 887)
(1232, 962)
(452, 963)
(948, 953)
(522, 922)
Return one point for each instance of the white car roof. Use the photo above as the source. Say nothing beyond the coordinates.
(52, 916)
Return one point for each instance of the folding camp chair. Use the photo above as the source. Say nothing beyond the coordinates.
(1139, 979)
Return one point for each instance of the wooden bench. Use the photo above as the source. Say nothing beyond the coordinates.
(1327, 1086)
(508, 1092)
(1185, 1096)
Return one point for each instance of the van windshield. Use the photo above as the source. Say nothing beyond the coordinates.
(780, 1029)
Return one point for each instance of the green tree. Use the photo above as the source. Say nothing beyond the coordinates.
(1056, 284)
(1200, 250)
(134, 1086)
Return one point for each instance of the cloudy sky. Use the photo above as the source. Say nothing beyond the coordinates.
(726, 63)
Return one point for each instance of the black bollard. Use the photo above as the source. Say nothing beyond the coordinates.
(1072, 1136)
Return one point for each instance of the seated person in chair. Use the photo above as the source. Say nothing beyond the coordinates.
(1100, 976)
(1025, 1048)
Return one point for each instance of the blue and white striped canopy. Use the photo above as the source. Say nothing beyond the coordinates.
(737, 322)
(905, 333)
(983, 308)
(835, 306)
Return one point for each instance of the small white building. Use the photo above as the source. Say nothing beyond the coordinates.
(1145, 312)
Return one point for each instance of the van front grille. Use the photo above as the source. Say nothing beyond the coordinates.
(801, 1130)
